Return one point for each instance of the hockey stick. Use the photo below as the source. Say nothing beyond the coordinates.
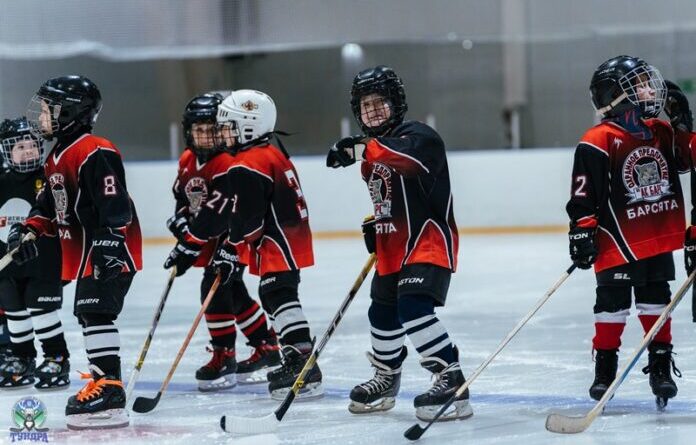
(559, 423)
(258, 425)
(416, 431)
(9, 256)
(155, 321)
(146, 404)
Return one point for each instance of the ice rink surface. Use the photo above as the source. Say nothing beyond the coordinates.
(547, 367)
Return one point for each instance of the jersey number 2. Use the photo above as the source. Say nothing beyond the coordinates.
(581, 181)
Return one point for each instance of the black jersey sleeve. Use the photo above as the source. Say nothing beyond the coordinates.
(42, 215)
(590, 185)
(103, 178)
(251, 192)
(181, 203)
(413, 149)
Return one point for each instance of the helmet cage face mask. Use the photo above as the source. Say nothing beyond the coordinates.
(23, 153)
(645, 88)
(202, 139)
(375, 110)
(226, 135)
(42, 114)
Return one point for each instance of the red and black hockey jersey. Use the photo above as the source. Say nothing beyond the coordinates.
(629, 189)
(202, 195)
(408, 179)
(86, 191)
(269, 212)
(685, 144)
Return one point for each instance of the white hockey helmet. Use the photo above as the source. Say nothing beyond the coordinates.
(252, 113)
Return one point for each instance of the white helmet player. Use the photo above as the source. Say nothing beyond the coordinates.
(251, 113)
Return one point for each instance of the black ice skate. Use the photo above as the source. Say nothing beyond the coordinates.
(606, 361)
(53, 373)
(219, 372)
(5, 352)
(660, 367)
(282, 379)
(447, 379)
(101, 404)
(17, 372)
(264, 356)
(378, 393)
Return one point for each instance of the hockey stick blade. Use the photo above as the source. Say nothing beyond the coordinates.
(145, 404)
(558, 423)
(414, 433)
(246, 425)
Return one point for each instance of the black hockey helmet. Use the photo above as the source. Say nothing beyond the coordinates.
(22, 149)
(201, 109)
(380, 80)
(72, 102)
(624, 83)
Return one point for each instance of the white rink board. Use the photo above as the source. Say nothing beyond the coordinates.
(490, 188)
(547, 368)
(498, 188)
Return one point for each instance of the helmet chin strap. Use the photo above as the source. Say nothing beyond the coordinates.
(613, 103)
(263, 138)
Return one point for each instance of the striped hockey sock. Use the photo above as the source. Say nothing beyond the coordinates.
(222, 328)
(424, 329)
(103, 344)
(386, 334)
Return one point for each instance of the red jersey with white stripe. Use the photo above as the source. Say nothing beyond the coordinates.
(629, 189)
(202, 194)
(408, 179)
(86, 191)
(269, 212)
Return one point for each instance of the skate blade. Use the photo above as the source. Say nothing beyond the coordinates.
(310, 391)
(383, 404)
(461, 409)
(228, 381)
(8, 385)
(52, 386)
(661, 403)
(109, 419)
(252, 378)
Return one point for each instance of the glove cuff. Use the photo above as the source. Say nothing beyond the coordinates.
(586, 222)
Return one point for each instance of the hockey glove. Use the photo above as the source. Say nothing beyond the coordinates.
(677, 108)
(345, 152)
(690, 250)
(108, 254)
(178, 225)
(26, 248)
(183, 255)
(226, 263)
(583, 251)
(369, 233)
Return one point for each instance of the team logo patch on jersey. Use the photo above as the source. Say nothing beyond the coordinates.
(646, 175)
(196, 193)
(381, 190)
(60, 197)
